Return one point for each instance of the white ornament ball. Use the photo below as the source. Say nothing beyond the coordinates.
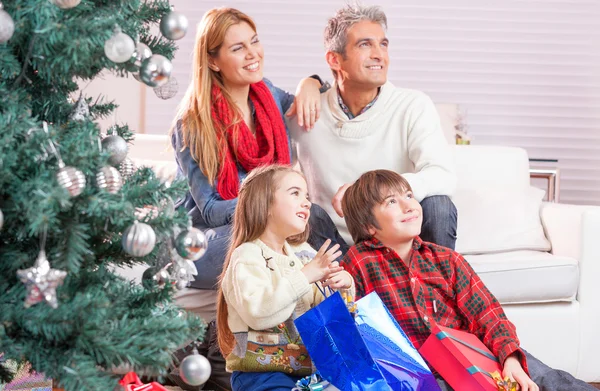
(195, 369)
(174, 25)
(7, 26)
(119, 48)
(139, 239)
(117, 147)
(155, 71)
(191, 244)
(71, 179)
(109, 179)
(66, 4)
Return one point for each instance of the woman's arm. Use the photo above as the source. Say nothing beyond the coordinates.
(306, 103)
(215, 211)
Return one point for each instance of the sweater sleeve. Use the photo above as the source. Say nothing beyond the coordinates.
(262, 300)
(485, 316)
(215, 211)
(429, 151)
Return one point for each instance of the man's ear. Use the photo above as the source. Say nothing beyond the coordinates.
(333, 60)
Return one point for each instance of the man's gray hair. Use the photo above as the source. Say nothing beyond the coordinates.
(336, 32)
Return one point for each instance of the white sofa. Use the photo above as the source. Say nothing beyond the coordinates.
(539, 259)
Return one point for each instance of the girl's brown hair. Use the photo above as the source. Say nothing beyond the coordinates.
(201, 134)
(368, 191)
(249, 222)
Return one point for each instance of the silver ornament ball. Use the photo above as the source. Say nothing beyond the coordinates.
(71, 179)
(109, 179)
(155, 71)
(141, 53)
(116, 147)
(120, 47)
(174, 25)
(127, 168)
(139, 239)
(1, 219)
(66, 4)
(195, 369)
(168, 90)
(7, 26)
(191, 244)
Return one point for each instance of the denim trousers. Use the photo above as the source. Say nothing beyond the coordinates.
(546, 378)
(262, 381)
(440, 221)
(211, 264)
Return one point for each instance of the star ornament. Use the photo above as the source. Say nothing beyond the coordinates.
(41, 282)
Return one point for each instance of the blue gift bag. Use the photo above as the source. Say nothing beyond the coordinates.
(367, 353)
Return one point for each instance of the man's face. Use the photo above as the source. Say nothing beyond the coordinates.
(366, 61)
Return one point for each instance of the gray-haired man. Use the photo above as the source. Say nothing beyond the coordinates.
(366, 123)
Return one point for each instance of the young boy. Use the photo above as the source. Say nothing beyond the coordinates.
(422, 282)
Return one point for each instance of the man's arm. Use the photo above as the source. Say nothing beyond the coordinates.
(429, 151)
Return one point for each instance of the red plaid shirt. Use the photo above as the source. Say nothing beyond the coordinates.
(438, 285)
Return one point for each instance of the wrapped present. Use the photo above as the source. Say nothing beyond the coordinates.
(131, 382)
(25, 379)
(462, 360)
(366, 352)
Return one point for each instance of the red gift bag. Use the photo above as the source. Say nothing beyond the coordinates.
(461, 359)
(131, 382)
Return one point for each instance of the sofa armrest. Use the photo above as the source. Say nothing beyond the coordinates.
(573, 231)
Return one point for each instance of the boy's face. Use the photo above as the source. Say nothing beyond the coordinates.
(399, 217)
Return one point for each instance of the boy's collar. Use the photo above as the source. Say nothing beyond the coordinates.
(375, 243)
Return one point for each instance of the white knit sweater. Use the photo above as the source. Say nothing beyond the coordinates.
(400, 132)
(265, 291)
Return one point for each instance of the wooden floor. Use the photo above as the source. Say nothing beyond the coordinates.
(597, 385)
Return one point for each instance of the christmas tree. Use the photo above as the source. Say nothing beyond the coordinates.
(72, 208)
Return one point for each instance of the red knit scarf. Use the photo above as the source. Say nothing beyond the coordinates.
(270, 145)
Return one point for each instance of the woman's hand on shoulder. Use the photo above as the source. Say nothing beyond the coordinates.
(307, 103)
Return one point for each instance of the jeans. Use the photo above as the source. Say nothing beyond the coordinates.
(262, 381)
(440, 220)
(546, 378)
(323, 228)
(211, 264)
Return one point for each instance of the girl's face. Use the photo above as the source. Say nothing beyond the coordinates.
(240, 58)
(290, 210)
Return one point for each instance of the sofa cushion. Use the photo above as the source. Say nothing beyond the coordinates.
(527, 276)
(498, 219)
(489, 166)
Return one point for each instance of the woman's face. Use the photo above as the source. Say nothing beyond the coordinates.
(240, 58)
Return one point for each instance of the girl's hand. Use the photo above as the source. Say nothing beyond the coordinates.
(513, 370)
(338, 278)
(307, 103)
(319, 268)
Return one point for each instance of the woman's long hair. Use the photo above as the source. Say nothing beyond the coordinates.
(249, 222)
(200, 133)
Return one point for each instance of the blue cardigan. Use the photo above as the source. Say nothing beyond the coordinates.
(202, 201)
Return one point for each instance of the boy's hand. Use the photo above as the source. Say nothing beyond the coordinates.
(320, 267)
(514, 370)
(338, 279)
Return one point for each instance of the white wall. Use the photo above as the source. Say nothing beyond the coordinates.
(526, 71)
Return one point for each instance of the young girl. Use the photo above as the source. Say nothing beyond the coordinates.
(269, 279)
